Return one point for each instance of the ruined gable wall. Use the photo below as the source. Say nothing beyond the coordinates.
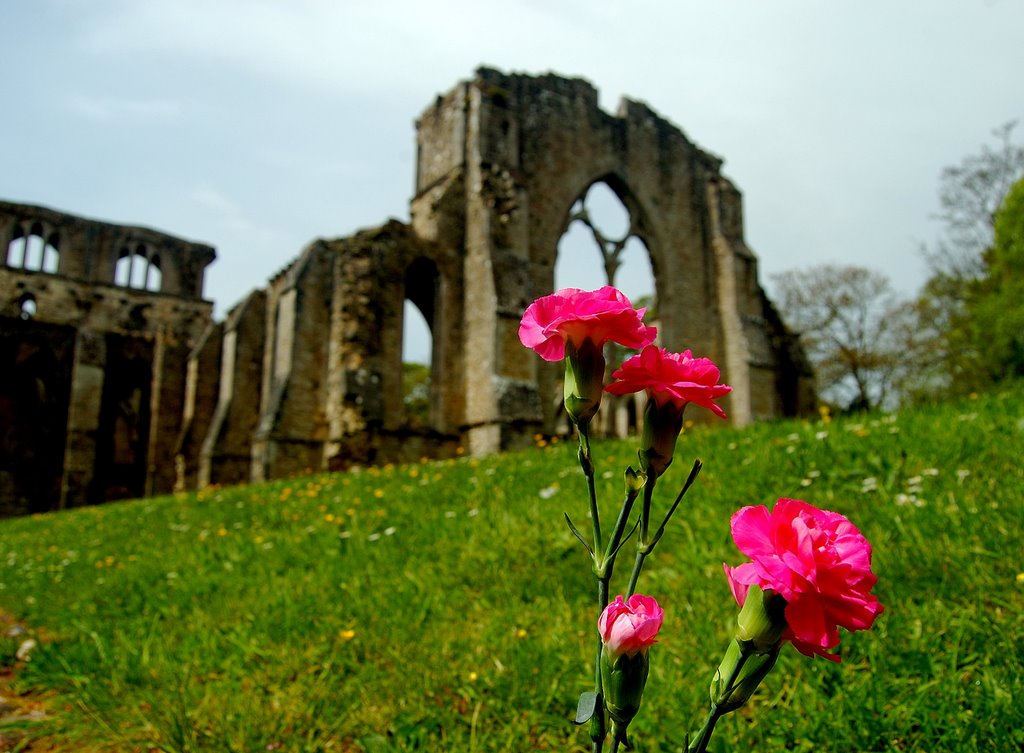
(535, 146)
(564, 143)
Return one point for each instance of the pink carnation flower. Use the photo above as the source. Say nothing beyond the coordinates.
(571, 314)
(817, 561)
(678, 378)
(631, 626)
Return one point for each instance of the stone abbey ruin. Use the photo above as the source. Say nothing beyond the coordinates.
(116, 382)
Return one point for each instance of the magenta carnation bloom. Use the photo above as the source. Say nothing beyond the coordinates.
(631, 626)
(571, 314)
(817, 561)
(676, 378)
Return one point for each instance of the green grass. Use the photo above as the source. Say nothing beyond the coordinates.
(446, 607)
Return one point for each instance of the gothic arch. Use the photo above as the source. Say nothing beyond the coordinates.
(637, 222)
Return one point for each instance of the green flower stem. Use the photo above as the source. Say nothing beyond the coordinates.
(700, 745)
(719, 709)
(646, 543)
(597, 722)
(587, 464)
(643, 546)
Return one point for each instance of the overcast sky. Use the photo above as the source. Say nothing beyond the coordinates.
(257, 126)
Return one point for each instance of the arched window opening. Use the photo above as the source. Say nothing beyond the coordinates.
(416, 336)
(416, 347)
(154, 277)
(134, 269)
(51, 255)
(419, 308)
(30, 252)
(28, 306)
(123, 268)
(34, 247)
(16, 250)
(602, 246)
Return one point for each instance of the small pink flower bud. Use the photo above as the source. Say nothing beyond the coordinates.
(628, 630)
(627, 627)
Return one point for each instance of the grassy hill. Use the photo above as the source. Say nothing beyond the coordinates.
(446, 607)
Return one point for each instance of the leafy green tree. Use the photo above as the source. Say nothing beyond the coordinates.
(995, 303)
(969, 195)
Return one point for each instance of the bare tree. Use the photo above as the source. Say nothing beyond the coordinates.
(969, 195)
(857, 332)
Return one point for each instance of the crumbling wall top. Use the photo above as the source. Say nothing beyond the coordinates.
(39, 239)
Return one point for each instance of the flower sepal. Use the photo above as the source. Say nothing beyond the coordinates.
(662, 424)
(623, 679)
(740, 673)
(761, 621)
(584, 381)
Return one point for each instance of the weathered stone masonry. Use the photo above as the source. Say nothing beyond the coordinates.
(97, 322)
(306, 373)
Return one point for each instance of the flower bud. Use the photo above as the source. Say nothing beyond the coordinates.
(635, 479)
(662, 424)
(628, 629)
(584, 381)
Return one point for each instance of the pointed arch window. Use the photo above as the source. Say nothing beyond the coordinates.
(34, 251)
(600, 220)
(136, 268)
(605, 219)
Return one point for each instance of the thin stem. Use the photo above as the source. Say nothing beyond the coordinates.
(643, 547)
(608, 563)
(700, 745)
(587, 464)
(597, 722)
(638, 565)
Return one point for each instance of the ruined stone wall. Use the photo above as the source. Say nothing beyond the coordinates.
(200, 405)
(115, 311)
(518, 152)
(306, 374)
(322, 358)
